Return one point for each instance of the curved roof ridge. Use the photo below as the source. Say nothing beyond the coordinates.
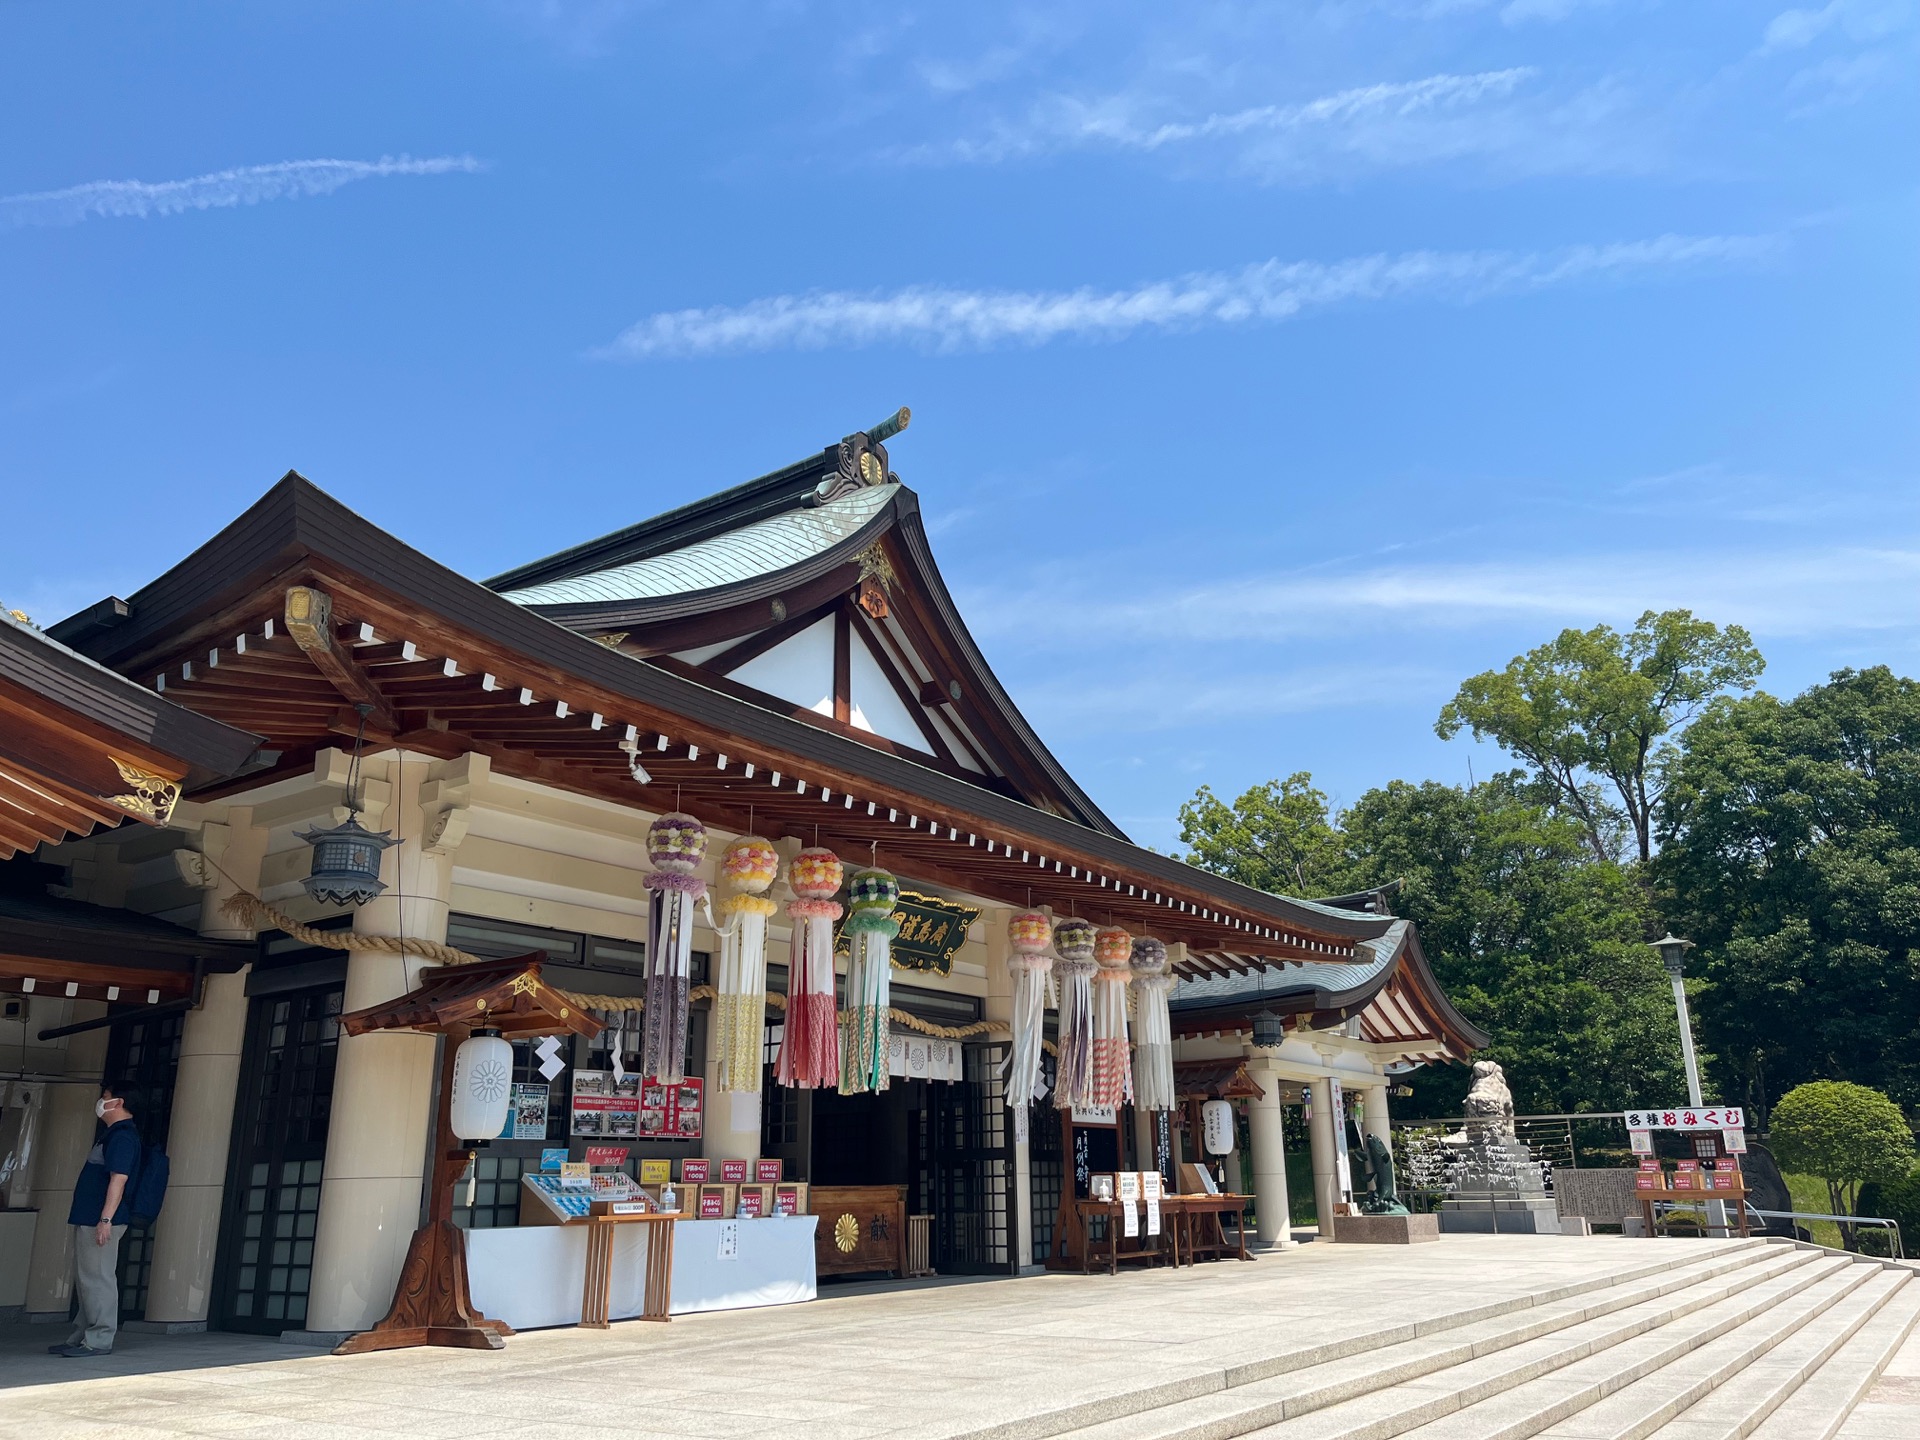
(760, 547)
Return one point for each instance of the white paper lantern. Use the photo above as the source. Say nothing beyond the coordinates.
(1216, 1126)
(482, 1086)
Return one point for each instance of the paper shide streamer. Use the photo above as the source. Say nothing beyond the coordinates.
(1112, 1057)
(1152, 984)
(865, 1028)
(676, 844)
(1074, 965)
(1030, 961)
(748, 868)
(810, 1046)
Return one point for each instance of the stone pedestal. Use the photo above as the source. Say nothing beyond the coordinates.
(1500, 1215)
(1385, 1229)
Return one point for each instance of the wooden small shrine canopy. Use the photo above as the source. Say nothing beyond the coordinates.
(431, 1302)
(505, 995)
(1214, 1080)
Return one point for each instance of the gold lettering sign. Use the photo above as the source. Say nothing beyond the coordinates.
(932, 930)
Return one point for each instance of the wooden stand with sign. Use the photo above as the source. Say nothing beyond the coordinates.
(1090, 1146)
(431, 1303)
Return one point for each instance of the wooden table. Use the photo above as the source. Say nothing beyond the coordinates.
(1734, 1196)
(1111, 1209)
(1191, 1214)
(596, 1294)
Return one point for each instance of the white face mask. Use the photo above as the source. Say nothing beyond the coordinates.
(102, 1105)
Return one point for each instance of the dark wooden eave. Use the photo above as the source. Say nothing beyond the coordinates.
(1406, 976)
(468, 670)
(82, 746)
(57, 942)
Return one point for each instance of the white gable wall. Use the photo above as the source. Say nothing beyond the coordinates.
(799, 668)
(875, 704)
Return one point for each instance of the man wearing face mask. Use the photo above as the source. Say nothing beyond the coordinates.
(99, 1219)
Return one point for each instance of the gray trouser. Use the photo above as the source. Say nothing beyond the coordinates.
(97, 1288)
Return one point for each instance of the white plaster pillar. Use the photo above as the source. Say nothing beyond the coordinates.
(1326, 1156)
(999, 1007)
(1375, 1120)
(1272, 1209)
(66, 1135)
(377, 1139)
(187, 1234)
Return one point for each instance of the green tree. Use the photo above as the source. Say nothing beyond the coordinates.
(1277, 837)
(1790, 851)
(1597, 705)
(1531, 937)
(1533, 940)
(1846, 1134)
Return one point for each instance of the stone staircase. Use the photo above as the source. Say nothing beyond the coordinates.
(1715, 1341)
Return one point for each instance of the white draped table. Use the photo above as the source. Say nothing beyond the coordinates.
(531, 1276)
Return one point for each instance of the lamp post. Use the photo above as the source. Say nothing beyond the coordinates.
(1673, 954)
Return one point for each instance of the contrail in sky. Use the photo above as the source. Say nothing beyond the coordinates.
(944, 319)
(248, 185)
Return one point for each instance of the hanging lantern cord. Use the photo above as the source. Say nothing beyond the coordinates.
(363, 709)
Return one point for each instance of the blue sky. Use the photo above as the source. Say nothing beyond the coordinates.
(1274, 367)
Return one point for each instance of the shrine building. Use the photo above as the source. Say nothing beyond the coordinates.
(781, 659)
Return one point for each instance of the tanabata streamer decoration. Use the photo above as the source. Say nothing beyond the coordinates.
(748, 867)
(1152, 982)
(810, 1047)
(871, 896)
(1030, 934)
(1073, 1076)
(1112, 1058)
(676, 844)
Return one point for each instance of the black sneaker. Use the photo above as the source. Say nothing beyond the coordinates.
(76, 1352)
(59, 1347)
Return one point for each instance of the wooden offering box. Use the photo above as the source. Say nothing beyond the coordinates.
(862, 1230)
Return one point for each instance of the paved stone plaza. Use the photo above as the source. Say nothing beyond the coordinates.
(1002, 1358)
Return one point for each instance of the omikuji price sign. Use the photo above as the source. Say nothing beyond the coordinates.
(1716, 1118)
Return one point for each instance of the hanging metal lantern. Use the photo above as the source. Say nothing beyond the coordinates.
(1269, 1030)
(482, 1086)
(346, 863)
(346, 858)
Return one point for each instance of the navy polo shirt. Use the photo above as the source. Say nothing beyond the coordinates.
(115, 1153)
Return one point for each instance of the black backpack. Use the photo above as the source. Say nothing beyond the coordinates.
(147, 1190)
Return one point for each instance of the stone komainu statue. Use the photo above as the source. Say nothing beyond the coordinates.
(1490, 1102)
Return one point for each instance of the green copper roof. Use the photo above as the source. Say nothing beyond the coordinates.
(761, 548)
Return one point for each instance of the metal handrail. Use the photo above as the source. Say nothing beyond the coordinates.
(1880, 1222)
(1899, 1248)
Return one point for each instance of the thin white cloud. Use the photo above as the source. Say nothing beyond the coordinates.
(1063, 122)
(951, 319)
(1802, 592)
(223, 189)
(1862, 21)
